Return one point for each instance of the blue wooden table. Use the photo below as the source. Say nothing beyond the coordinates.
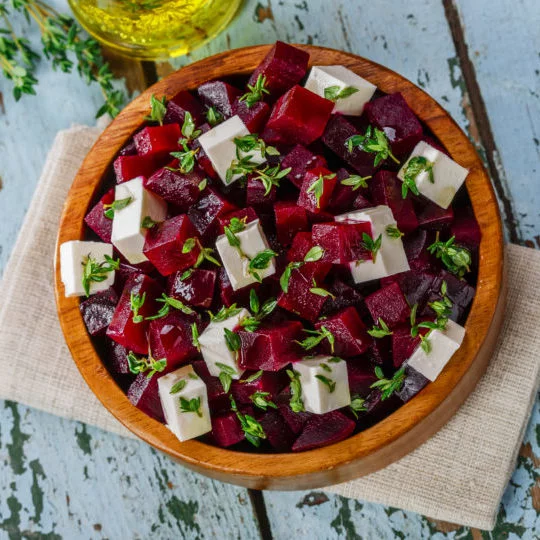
(63, 479)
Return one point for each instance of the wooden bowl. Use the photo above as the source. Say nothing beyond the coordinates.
(379, 445)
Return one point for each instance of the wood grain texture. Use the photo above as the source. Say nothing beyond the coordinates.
(390, 439)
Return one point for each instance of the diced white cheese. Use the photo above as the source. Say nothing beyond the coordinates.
(448, 175)
(252, 241)
(391, 258)
(127, 234)
(218, 144)
(318, 396)
(443, 344)
(73, 257)
(322, 77)
(214, 346)
(191, 424)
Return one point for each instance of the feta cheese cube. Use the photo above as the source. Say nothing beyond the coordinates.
(443, 344)
(218, 144)
(325, 384)
(73, 257)
(127, 233)
(252, 241)
(214, 346)
(391, 258)
(448, 175)
(186, 385)
(322, 77)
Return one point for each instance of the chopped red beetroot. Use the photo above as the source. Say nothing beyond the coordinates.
(342, 242)
(98, 221)
(290, 219)
(300, 160)
(124, 273)
(256, 193)
(123, 329)
(416, 285)
(270, 347)
(343, 196)
(400, 125)
(299, 116)
(220, 95)
(466, 231)
(302, 243)
(184, 102)
(226, 429)
(388, 304)
(98, 310)
(278, 433)
(271, 382)
(350, 334)
(195, 289)
(128, 150)
(170, 337)
(283, 67)
(386, 190)
(317, 189)
(218, 399)
(432, 216)
(254, 117)
(403, 344)
(361, 377)
(173, 245)
(117, 358)
(144, 394)
(229, 296)
(157, 140)
(129, 167)
(379, 351)
(413, 383)
(361, 202)
(180, 189)
(295, 420)
(207, 210)
(324, 429)
(344, 296)
(336, 135)
(247, 214)
(415, 246)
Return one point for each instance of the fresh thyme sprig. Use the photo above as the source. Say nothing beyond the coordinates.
(333, 93)
(168, 303)
(252, 429)
(380, 331)
(372, 245)
(225, 375)
(317, 187)
(213, 116)
(145, 364)
(415, 166)
(270, 176)
(191, 405)
(356, 182)
(296, 403)
(373, 141)
(158, 109)
(457, 259)
(109, 209)
(94, 272)
(256, 92)
(358, 404)
(259, 312)
(136, 302)
(314, 254)
(388, 386)
(225, 313)
(316, 337)
(393, 232)
(331, 384)
(262, 401)
(319, 291)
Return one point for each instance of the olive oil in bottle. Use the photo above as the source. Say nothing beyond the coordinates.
(153, 29)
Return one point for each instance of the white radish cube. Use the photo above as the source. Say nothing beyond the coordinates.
(73, 257)
(320, 397)
(391, 258)
(218, 144)
(128, 234)
(214, 347)
(448, 175)
(443, 344)
(323, 77)
(185, 424)
(252, 241)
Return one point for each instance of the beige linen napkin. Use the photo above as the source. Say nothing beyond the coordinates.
(459, 475)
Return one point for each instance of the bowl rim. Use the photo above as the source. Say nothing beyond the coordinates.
(377, 446)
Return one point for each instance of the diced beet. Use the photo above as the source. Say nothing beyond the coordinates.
(342, 242)
(124, 273)
(300, 160)
(98, 310)
(226, 429)
(218, 399)
(197, 289)
(272, 382)
(256, 193)
(361, 377)
(157, 140)
(336, 134)
(307, 198)
(180, 189)
(270, 347)
(324, 429)
(344, 296)
(164, 245)
(379, 351)
(116, 358)
(247, 214)
(403, 344)
(344, 196)
(278, 433)
(290, 219)
(378, 409)
(184, 102)
(413, 383)
(220, 95)
(144, 394)
(416, 285)
(415, 246)
(400, 125)
(350, 334)
(295, 420)
(129, 167)
(229, 296)
(254, 117)
(129, 149)
(96, 219)
(283, 67)
(432, 216)
(205, 212)
(122, 328)
(388, 304)
(299, 299)
(466, 231)
(386, 190)
(170, 337)
(302, 243)
(361, 202)
(299, 116)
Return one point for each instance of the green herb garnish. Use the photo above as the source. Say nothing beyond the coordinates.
(260, 400)
(317, 187)
(178, 386)
(296, 403)
(145, 364)
(256, 92)
(136, 302)
(253, 377)
(168, 303)
(259, 312)
(270, 176)
(186, 158)
(261, 261)
(191, 405)
(393, 232)
(213, 116)
(148, 223)
(158, 109)
(373, 141)
(380, 331)
(415, 166)
(109, 209)
(253, 431)
(195, 336)
(356, 182)
(388, 386)
(225, 375)
(328, 382)
(333, 93)
(316, 253)
(371, 245)
(457, 259)
(94, 272)
(232, 340)
(225, 313)
(358, 404)
(316, 337)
